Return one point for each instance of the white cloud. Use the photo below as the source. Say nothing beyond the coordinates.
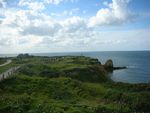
(33, 5)
(67, 13)
(41, 27)
(55, 2)
(30, 29)
(27, 22)
(116, 13)
(74, 24)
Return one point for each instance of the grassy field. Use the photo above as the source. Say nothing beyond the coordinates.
(69, 85)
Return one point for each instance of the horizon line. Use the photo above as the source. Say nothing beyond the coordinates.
(75, 52)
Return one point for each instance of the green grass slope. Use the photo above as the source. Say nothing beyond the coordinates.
(34, 90)
(80, 68)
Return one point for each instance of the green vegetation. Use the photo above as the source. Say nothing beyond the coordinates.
(2, 60)
(80, 68)
(8, 66)
(69, 85)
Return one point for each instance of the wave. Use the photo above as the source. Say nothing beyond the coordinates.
(132, 66)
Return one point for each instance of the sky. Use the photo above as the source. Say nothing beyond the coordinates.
(35, 26)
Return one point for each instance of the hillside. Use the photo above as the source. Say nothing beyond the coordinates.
(69, 85)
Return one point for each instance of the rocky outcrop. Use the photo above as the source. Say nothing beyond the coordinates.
(109, 65)
(117, 68)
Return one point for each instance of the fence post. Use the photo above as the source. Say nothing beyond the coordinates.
(2, 76)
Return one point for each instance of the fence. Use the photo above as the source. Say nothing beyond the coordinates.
(8, 73)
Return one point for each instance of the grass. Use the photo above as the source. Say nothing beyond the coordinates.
(66, 95)
(8, 66)
(80, 68)
(28, 91)
(2, 60)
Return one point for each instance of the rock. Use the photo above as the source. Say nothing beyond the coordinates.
(109, 65)
(118, 68)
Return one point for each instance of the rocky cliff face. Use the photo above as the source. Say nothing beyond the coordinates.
(109, 65)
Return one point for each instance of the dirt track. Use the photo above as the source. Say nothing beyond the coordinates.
(7, 62)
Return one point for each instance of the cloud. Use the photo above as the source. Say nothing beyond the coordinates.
(33, 5)
(41, 27)
(56, 2)
(74, 24)
(29, 22)
(67, 13)
(2, 3)
(116, 13)
(29, 28)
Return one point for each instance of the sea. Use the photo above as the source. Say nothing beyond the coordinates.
(137, 63)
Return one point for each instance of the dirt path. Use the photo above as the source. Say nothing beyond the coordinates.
(6, 63)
